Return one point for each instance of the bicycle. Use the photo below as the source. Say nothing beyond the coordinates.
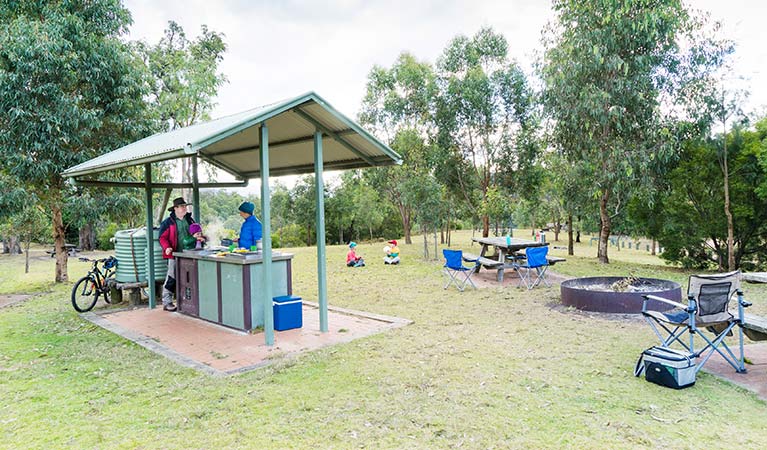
(87, 290)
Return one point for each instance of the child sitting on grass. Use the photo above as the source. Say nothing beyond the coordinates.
(352, 260)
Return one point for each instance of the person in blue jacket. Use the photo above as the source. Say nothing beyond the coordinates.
(250, 232)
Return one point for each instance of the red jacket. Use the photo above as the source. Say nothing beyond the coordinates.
(169, 233)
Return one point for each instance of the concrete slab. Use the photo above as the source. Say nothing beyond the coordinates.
(219, 351)
(755, 380)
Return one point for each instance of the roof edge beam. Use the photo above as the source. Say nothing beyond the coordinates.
(129, 163)
(306, 116)
(139, 184)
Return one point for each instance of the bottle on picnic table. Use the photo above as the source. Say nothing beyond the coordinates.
(508, 240)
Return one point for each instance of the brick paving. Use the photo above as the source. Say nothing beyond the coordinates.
(220, 350)
(755, 380)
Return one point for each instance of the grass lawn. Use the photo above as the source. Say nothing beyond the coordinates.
(494, 368)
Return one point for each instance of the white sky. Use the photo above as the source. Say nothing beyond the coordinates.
(281, 49)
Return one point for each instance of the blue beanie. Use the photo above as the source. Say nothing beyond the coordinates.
(247, 207)
(352, 244)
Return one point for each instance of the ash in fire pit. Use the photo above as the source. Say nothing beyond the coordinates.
(618, 294)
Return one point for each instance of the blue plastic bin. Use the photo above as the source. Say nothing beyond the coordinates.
(287, 312)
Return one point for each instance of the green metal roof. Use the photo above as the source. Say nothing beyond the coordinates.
(231, 143)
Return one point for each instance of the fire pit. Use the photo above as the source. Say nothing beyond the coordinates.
(597, 294)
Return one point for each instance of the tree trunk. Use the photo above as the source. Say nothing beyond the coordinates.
(59, 238)
(727, 212)
(26, 259)
(577, 235)
(441, 235)
(404, 213)
(557, 229)
(11, 245)
(604, 230)
(425, 245)
(653, 246)
(485, 226)
(570, 244)
(370, 228)
(435, 243)
(160, 213)
(87, 238)
(340, 234)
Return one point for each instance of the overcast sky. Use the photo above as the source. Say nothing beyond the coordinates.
(281, 49)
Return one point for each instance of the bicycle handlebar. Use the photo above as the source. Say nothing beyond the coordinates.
(84, 259)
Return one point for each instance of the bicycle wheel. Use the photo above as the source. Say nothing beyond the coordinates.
(84, 294)
(106, 291)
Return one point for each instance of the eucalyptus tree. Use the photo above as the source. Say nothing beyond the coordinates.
(70, 89)
(398, 105)
(185, 78)
(614, 75)
(483, 112)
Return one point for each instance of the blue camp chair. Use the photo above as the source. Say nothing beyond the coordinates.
(706, 315)
(535, 261)
(454, 266)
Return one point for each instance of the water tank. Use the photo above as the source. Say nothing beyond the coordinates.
(130, 249)
(160, 264)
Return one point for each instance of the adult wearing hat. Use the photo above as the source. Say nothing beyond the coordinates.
(250, 232)
(392, 253)
(174, 230)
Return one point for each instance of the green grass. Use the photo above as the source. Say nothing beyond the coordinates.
(494, 368)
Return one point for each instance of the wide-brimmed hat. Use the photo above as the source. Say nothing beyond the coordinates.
(178, 201)
(247, 208)
(393, 241)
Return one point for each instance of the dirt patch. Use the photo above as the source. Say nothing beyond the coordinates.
(12, 299)
(628, 318)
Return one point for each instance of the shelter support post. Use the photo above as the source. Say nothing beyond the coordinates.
(149, 233)
(322, 288)
(266, 239)
(195, 189)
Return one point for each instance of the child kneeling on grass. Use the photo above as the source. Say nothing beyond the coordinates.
(352, 260)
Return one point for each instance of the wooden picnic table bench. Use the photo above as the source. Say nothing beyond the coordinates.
(755, 327)
(487, 263)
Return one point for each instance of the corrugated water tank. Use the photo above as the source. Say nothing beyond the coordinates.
(130, 250)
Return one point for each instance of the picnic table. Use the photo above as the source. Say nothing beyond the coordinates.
(498, 261)
(70, 248)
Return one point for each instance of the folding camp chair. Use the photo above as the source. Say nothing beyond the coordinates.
(706, 315)
(535, 260)
(454, 267)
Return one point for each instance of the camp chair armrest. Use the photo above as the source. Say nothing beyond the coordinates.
(664, 300)
(745, 304)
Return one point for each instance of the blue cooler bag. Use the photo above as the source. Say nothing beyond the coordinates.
(287, 312)
(667, 367)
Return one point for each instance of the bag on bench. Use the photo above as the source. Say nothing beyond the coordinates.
(666, 367)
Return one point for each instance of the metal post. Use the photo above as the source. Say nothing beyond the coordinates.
(266, 239)
(195, 190)
(149, 233)
(322, 288)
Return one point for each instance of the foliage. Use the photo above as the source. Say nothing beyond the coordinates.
(484, 113)
(104, 236)
(70, 90)
(608, 69)
(694, 231)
